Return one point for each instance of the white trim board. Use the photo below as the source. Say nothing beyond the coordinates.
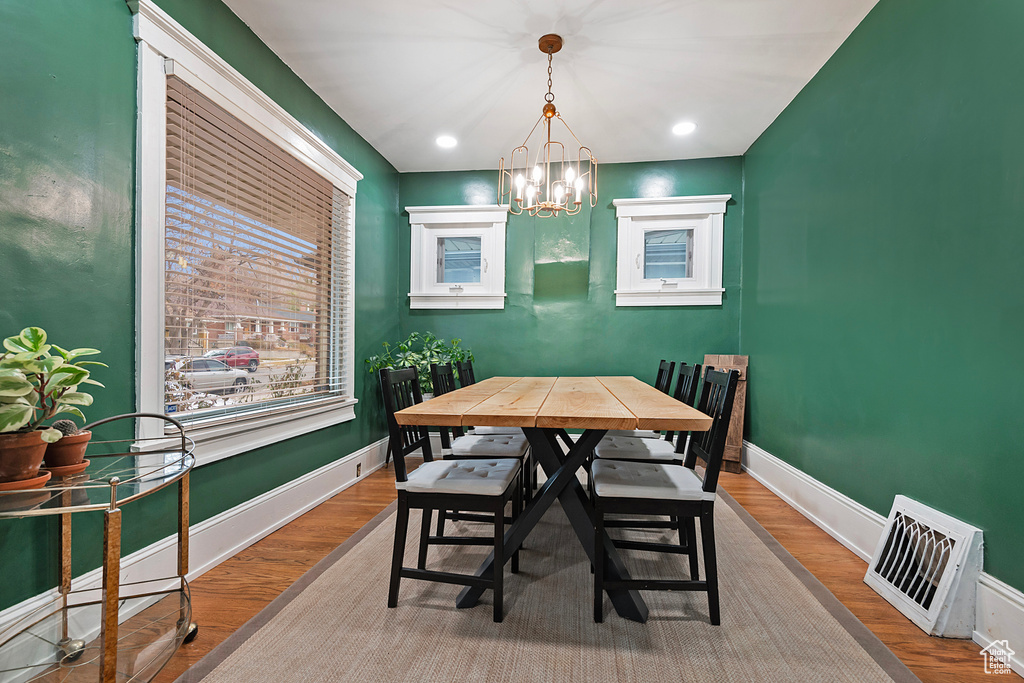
(999, 614)
(222, 536)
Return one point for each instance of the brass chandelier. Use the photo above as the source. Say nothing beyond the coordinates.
(550, 183)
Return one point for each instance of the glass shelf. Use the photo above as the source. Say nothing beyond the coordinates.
(133, 475)
(63, 644)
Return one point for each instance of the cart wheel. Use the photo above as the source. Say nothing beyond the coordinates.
(193, 631)
(70, 650)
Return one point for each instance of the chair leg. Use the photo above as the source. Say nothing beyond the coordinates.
(598, 567)
(398, 556)
(707, 537)
(499, 563)
(428, 515)
(441, 515)
(517, 506)
(691, 540)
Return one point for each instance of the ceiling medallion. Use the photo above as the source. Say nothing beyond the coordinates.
(552, 182)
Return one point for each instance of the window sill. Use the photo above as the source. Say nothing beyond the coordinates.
(681, 297)
(225, 438)
(464, 301)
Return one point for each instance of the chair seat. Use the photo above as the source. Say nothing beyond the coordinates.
(617, 479)
(635, 433)
(491, 431)
(495, 446)
(633, 448)
(477, 477)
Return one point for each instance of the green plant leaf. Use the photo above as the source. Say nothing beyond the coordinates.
(75, 353)
(63, 352)
(50, 435)
(26, 365)
(14, 416)
(15, 385)
(14, 345)
(93, 382)
(51, 363)
(67, 381)
(90, 362)
(33, 338)
(69, 409)
(77, 398)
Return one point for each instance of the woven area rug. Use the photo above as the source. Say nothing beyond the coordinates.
(778, 622)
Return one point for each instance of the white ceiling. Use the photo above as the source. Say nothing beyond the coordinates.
(402, 72)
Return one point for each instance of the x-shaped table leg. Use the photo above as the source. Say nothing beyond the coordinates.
(563, 485)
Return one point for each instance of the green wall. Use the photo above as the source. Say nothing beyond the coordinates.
(883, 304)
(560, 316)
(67, 171)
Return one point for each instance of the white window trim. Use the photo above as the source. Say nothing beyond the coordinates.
(705, 214)
(165, 47)
(426, 224)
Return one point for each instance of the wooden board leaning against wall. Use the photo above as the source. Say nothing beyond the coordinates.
(734, 440)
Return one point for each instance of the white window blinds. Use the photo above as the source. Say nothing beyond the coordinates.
(256, 274)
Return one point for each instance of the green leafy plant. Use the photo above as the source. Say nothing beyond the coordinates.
(419, 351)
(40, 380)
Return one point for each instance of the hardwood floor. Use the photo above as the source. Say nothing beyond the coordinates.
(230, 594)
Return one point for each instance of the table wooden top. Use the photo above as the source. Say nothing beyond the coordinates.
(557, 402)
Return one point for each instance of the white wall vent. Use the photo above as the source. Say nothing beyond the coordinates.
(927, 565)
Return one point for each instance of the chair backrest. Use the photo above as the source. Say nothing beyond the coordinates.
(401, 389)
(443, 379)
(663, 382)
(686, 388)
(466, 376)
(716, 399)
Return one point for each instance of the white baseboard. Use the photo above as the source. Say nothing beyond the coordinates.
(1000, 607)
(220, 537)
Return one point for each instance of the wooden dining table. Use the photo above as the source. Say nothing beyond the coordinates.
(544, 407)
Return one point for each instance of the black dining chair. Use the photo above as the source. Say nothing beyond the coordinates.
(643, 488)
(465, 370)
(455, 443)
(478, 485)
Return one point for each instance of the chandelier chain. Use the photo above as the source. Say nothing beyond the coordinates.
(550, 97)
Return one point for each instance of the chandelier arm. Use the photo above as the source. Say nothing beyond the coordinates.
(559, 116)
(530, 134)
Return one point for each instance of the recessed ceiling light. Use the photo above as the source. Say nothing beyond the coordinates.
(446, 141)
(684, 128)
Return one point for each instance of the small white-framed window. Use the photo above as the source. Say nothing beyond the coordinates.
(245, 229)
(457, 256)
(670, 251)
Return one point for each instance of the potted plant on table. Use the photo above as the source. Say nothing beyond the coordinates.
(37, 382)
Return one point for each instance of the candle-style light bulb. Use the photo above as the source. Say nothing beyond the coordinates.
(520, 182)
(569, 175)
(579, 189)
(538, 174)
(559, 193)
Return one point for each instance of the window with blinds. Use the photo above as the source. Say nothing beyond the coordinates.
(256, 279)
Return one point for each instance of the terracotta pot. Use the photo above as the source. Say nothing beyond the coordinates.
(21, 454)
(70, 450)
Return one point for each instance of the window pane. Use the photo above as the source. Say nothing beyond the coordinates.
(458, 259)
(251, 236)
(668, 254)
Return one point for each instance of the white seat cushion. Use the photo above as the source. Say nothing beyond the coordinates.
(479, 477)
(496, 446)
(632, 448)
(636, 433)
(617, 479)
(491, 431)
